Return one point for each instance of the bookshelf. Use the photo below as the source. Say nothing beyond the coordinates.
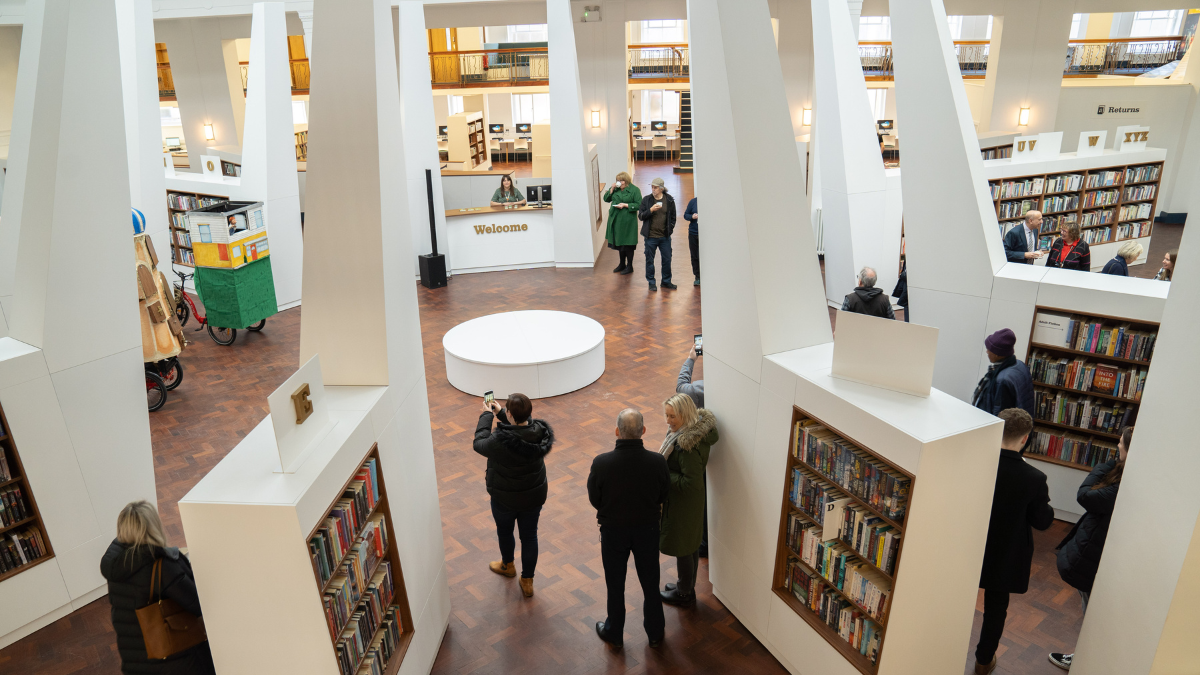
(870, 513)
(302, 146)
(1088, 374)
(997, 152)
(467, 143)
(20, 521)
(179, 203)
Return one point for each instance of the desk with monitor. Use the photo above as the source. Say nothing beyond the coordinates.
(655, 129)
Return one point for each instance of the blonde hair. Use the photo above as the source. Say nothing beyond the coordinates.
(1130, 250)
(624, 176)
(683, 406)
(1072, 229)
(138, 525)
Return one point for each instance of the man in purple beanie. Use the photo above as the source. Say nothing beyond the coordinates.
(1007, 383)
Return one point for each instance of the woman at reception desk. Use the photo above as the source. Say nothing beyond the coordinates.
(506, 234)
(507, 193)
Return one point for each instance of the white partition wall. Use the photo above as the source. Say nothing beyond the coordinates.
(796, 59)
(605, 83)
(1024, 65)
(76, 405)
(269, 151)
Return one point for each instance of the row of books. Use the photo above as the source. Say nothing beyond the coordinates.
(380, 653)
(1134, 230)
(346, 587)
(179, 220)
(7, 471)
(1104, 178)
(1064, 183)
(1017, 209)
(21, 548)
(1139, 192)
(368, 618)
(873, 539)
(181, 202)
(1093, 218)
(13, 508)
(1071, 447)
(1060, 203)
(1083, 412)
(1099, 235)
(1132, 211)
(1101, 198)
(185, 256)
(1121, 341)
(997, 153)
(838, 613)
(811, 494)
(834, 562)
(851, 468)
(1083, 375)
(1139, 174)
(347, 517)
(1051, 224)
(182, 238)
(1018, 188)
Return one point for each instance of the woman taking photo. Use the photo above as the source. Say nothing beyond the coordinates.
(1079, 553)
(691, 434)
(1069, 251)
(622, 232)
(507, 193)
(1119, 266)
(142, 569)
(1168, 266)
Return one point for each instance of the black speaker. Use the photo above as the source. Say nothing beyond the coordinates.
(433, 270)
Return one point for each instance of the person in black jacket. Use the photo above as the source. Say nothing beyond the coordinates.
(1007, 383)
(128, 565)
(516, 480)
(1069, 251)
(900, 292)
(657, 214)
(1020, 504)
(866, 299)
(1079, 552)
(628, 487)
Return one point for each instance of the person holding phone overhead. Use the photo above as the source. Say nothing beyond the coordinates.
(622, 231)
(657, 214)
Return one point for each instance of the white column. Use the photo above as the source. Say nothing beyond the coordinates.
(1186, 172)
(605, 85)
(10, 52)
(1025, 65)
(420, 144)
(573, 226)
(796, 61)
(854, 7)
(269, 153)
(143, 128)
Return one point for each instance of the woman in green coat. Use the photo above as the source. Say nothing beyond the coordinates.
(622, 233)
(691, 435)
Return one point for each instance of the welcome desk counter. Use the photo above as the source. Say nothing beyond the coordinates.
(492, 238)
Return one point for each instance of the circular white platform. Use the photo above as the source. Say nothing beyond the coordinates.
(538, 353)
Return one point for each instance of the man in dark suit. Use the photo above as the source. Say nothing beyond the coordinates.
(1020, 503)
(1021, 242)
(628, 487)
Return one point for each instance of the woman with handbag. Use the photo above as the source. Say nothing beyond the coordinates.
(155, 609)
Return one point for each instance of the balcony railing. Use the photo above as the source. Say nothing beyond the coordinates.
(876, 58)
(299, 75)
(489, 68)
(658, 62)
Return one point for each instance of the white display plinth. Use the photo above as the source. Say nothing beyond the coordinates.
(538, 353)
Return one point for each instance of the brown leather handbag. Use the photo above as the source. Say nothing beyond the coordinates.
(168, 628)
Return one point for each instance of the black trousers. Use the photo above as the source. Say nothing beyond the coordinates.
(694, 248)
(616, 543)
(526, 522)
(995, 610)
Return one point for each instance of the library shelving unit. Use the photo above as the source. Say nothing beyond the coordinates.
(179, 202)
(467, 144)
(1087, 384)
(997, 152)
(845, 580)
(23, 540)
(301, 146)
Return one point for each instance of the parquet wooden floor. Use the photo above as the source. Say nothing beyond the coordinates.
(492, 628)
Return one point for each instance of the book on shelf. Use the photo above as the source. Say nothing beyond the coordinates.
(1141, 174)
(347, 522)
(1121, 341)
(13, 508)
(1021, 188)
(1094, 218)
(379, 654)
(1065, 183)
(1104, 178)
(1083, 375)
(1060, 203)
(6, 471)
(1135, 193)
(851, 469)
(1017, 209)
(21, 547)
(1071, 447)
(182, 238)
(1081, 411)
(1134, 211)
(1099, 235)
(847, 621)
(1101, 198)
(1133, 230)
(185, 256)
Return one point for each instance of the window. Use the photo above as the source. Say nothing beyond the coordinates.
(1157, 23)
(659, 104)
(956, 27)
(1078, 26)
(170, 116)
(530, 108)
(299, 112)
(872, 28)
(877, 98)
(533, 32)
(455, 105)
(666, 30)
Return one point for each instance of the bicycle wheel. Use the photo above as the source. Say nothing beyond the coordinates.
(222, 336)
(258, 326)
(173, 375)
(181, 310)
(156, 392)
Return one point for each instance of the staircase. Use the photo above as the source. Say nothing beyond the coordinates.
(684, 164)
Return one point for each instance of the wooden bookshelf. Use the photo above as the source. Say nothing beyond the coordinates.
(1135, 187)
(301, 146)
(786, 556)
(467, 142)
(997, 152)
(181, 253)
(32, 522)
(391, 555)
(1041, 384)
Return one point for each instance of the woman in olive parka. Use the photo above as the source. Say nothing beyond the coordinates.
(691, 435)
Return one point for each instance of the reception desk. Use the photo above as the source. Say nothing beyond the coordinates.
(490, 238)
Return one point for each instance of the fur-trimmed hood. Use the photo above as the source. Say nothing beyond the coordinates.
(690, 437)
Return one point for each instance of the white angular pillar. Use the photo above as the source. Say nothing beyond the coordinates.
(796, 59)
(860, 228)
(269, 151)
(605, 85)
(574, 243)
(1025, 65)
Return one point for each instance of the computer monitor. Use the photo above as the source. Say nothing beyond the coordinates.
(524, 128)
(442, 130)
(658, 125)
(496, 128)
(532, 193)
(885, 125)
(172, 141)
(637, 126)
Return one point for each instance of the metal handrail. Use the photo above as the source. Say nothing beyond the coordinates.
(299, 68)
(667, 61)
(489, 67)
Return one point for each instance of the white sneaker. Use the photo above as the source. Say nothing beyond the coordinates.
(1061, 660)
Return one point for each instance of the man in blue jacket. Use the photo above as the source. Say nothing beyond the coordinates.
(1007, 383)
(1021, 242)
(690, 215)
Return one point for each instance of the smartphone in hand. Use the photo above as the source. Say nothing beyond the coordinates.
(488, 397)
(699, 345)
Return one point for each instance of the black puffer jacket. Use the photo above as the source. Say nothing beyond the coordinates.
(1079, 553)
(516, 468)
(128, 572)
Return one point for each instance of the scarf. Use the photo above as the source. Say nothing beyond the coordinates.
(985, 384)
(668, 444)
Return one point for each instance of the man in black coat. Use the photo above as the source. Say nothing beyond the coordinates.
(516, 480)
(628, 487)
(866, 299)
(1007, 383)
(657, 213)
(1020, 503)
(1021, 242)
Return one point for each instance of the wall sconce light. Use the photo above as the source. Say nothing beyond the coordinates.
(807, 117)
(209, 134)
(1023, 118)
(595, 119)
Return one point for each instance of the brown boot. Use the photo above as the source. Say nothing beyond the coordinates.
(506, 569)
(527, 586)
(985, 668)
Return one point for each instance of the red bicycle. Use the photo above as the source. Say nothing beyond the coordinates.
(185, 307)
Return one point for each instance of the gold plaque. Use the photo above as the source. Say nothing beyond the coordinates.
(303, 403)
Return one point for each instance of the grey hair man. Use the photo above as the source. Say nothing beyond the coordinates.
(866, 299)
